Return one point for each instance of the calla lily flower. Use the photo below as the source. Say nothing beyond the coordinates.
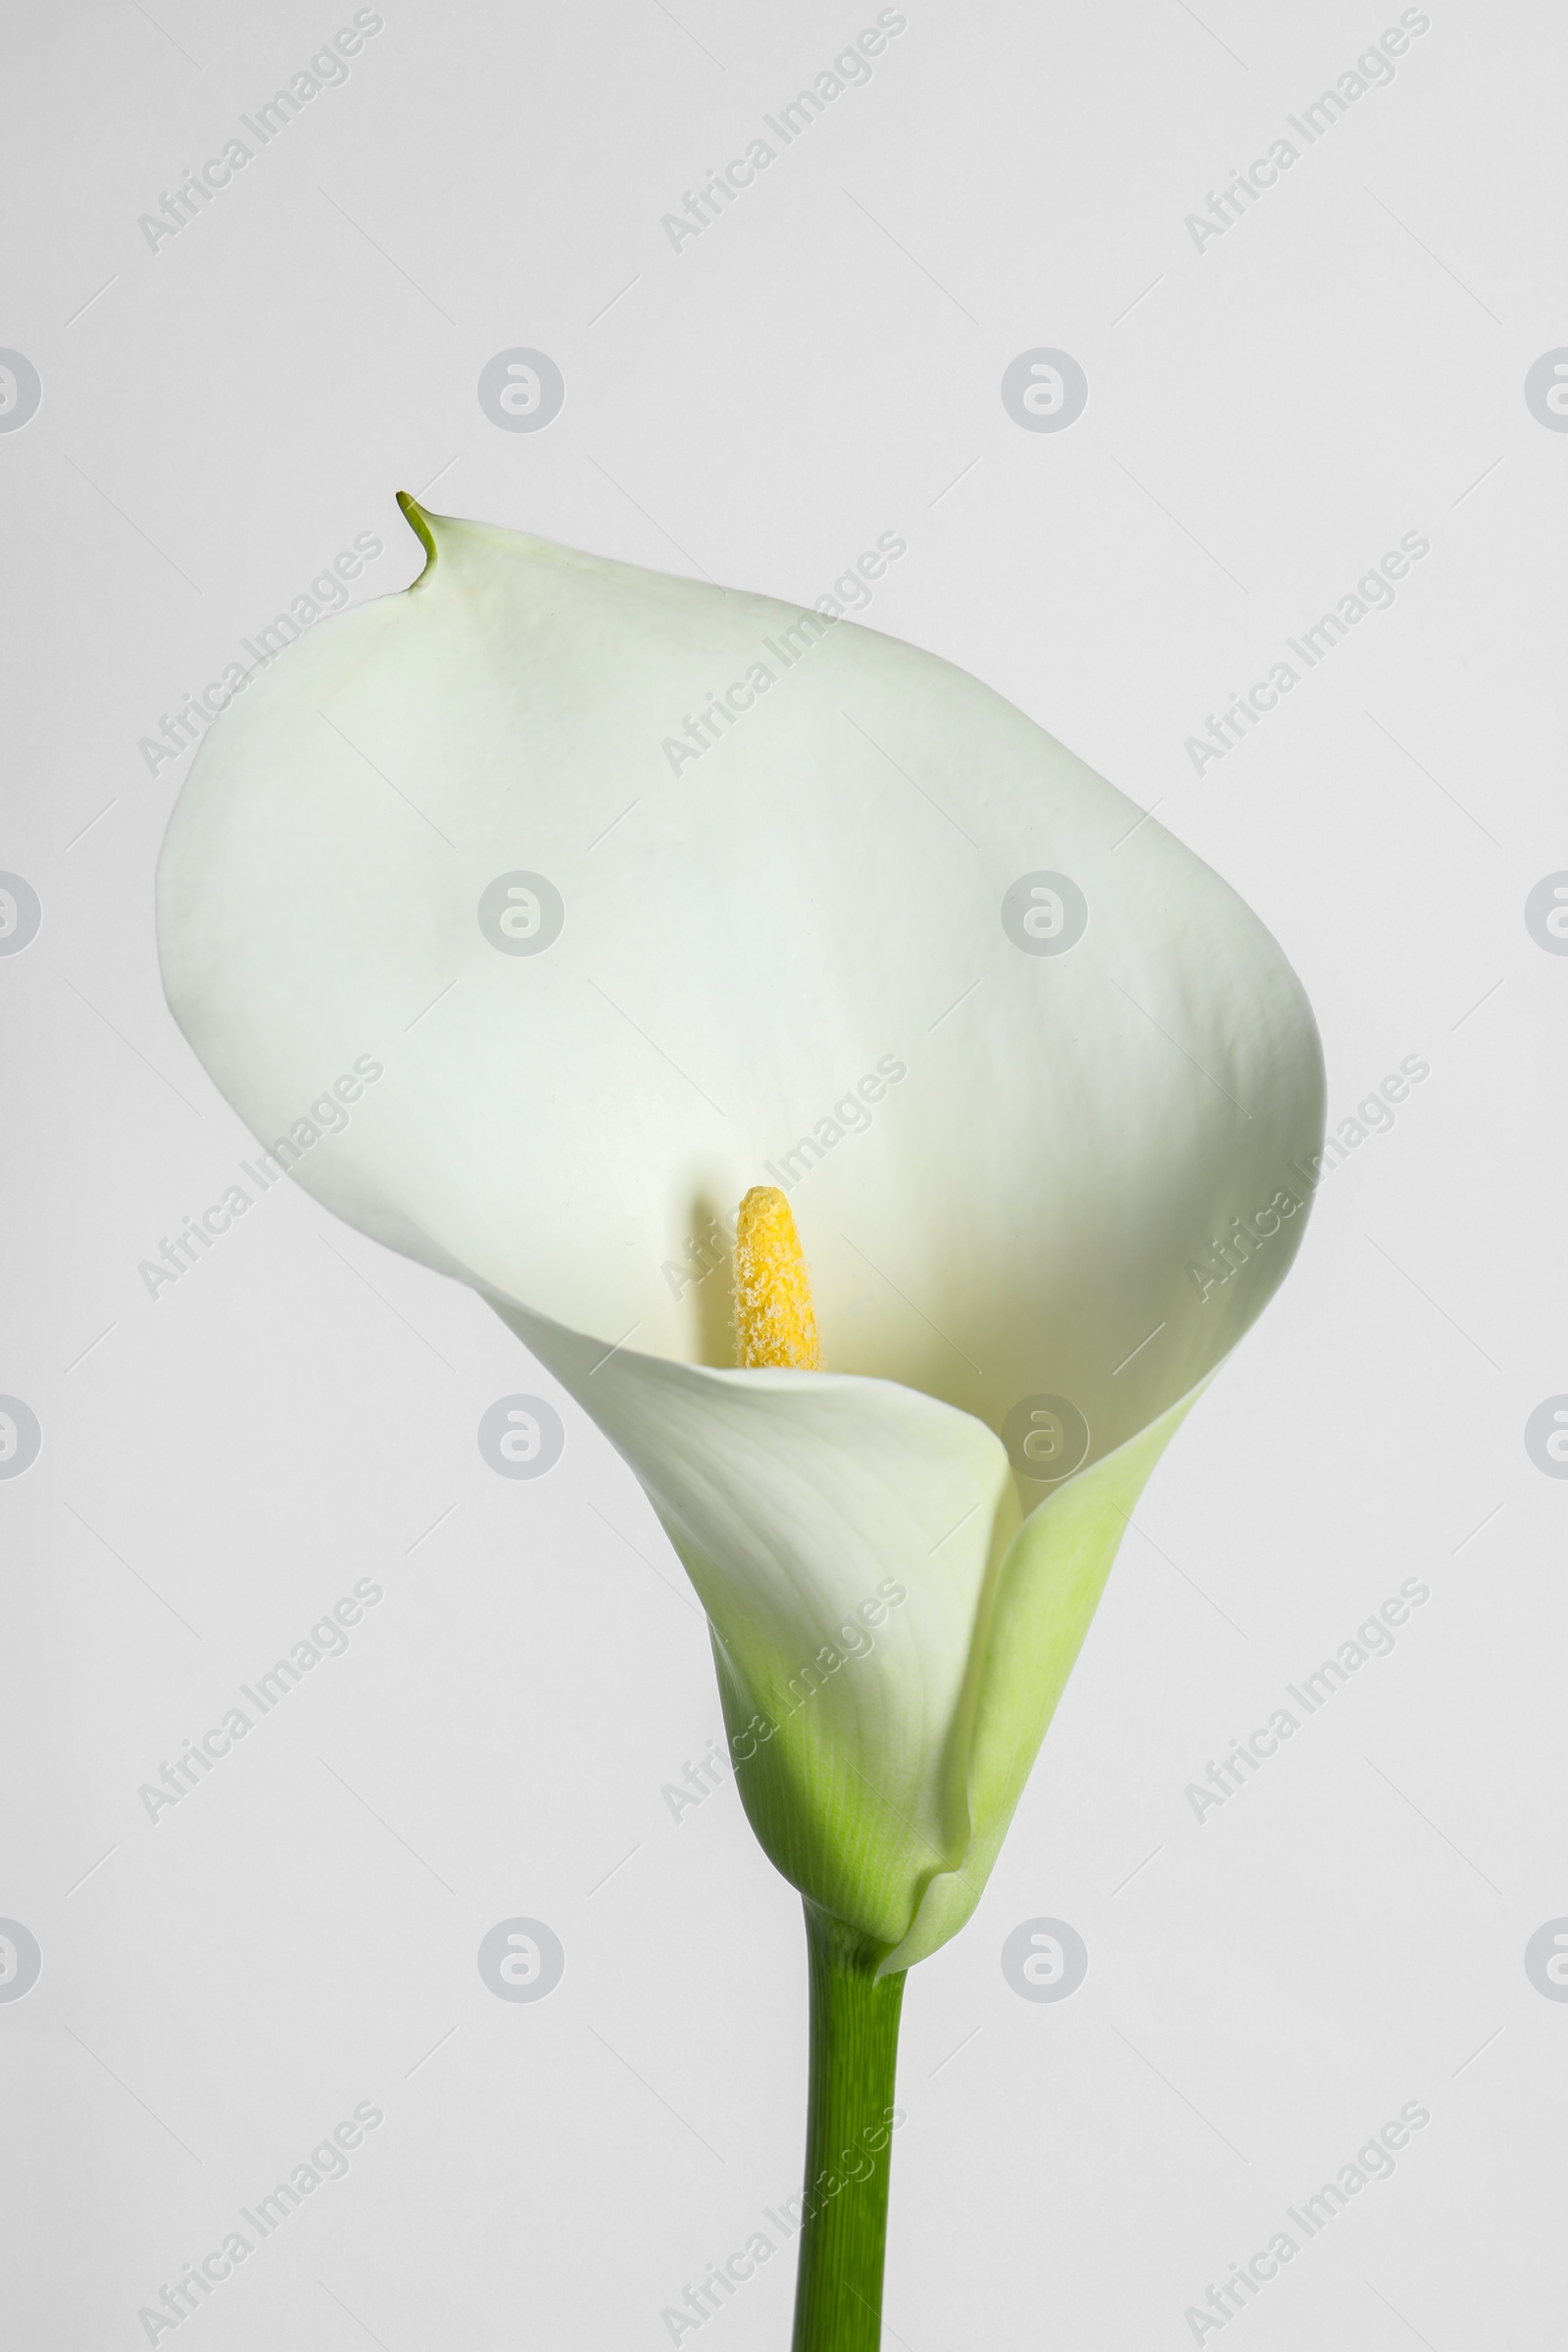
(646, 899)
(645, 893)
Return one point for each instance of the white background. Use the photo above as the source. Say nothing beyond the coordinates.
(1265, 417)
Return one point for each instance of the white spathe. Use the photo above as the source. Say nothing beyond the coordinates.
(786, 961)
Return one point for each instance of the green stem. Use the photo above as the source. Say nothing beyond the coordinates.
(849, 2126)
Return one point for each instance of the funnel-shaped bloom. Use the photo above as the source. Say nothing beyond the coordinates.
(647, 893)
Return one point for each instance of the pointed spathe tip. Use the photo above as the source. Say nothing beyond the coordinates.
(419, 523)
